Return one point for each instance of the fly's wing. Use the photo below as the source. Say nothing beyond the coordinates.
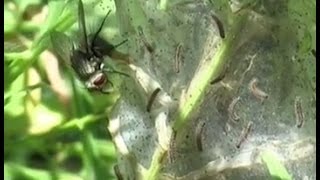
(82, 27)
(103, 48)
(99, 46)
(62, 46)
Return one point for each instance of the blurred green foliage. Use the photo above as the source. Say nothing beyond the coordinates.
(51, 132)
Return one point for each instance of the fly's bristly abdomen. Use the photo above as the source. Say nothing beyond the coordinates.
(84, 65)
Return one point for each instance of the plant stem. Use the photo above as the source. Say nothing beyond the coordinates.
(197, 88)
(206, 73)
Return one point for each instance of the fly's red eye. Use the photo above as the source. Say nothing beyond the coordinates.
(100, 80)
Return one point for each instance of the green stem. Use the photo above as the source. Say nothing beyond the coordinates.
(163, 5)
(20, 61)
(94, 165)
(82, 122)
(196, 90)
(205, 75)
(156, 165)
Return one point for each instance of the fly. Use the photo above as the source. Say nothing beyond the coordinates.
(87, 57)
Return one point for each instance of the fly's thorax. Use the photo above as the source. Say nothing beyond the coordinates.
(86, 65)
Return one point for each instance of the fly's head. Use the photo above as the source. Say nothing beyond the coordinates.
(97, 81)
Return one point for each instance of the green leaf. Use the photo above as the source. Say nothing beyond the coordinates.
(10, 21)
(23, 4)
(275, 167)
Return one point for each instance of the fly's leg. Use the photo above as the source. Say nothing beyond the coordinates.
(107, 89)
(123, 58)
(115, 71)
